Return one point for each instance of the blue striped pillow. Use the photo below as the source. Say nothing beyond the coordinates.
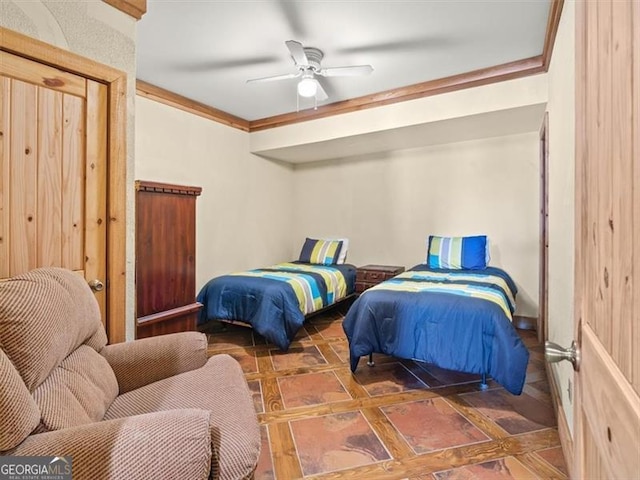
(322, 252)
(457, 252)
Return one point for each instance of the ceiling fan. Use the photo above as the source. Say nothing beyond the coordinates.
(307, 61)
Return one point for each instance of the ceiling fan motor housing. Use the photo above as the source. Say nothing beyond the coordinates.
(314, 56)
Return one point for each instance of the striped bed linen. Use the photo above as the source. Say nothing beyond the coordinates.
(455, 319)
(492, 288)
(304, 283)
(275, 300)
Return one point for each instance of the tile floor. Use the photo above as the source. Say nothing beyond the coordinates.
(397, 420)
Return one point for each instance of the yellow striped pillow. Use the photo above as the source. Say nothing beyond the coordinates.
(322, 252)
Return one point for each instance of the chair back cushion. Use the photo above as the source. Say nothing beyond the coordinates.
(78, 391)
(20, 414)
(45, 314)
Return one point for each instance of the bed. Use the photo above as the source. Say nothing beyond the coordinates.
(455, 318)
(276, 300)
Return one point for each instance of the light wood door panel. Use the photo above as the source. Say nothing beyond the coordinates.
(73, 132)
(49, 177)
(21, 229)
(95, 201)
(5, 120)
(607, 305)
(54, 165)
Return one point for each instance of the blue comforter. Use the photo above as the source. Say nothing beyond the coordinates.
(268, 304)
(456, 331)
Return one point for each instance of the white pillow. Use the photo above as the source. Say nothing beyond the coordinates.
(342, 257)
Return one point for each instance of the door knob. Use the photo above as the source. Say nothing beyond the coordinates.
(96, 285)
(555, 353)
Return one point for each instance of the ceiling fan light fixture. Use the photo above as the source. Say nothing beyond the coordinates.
(307, 87)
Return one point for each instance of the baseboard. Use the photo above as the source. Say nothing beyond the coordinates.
(525, 323)
(566, 440)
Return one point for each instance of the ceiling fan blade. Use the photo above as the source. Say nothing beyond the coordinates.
(420, 43)
(210, 65)
(351, 71)
(275, 77)
(321, 95)
(297, 52)
(292, 13)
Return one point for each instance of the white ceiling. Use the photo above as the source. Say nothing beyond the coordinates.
(206, 50)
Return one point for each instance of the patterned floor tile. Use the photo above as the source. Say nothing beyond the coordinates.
(256, 393)
(232, 338)
(311, 389)
(335, 442)
(330, 330)
(514, 413)
(297, 357)
(503, 469)
(432, 424)
(342, 350)
(302, 335)
(542, 385)
(264, 470)
(344, 442)
(449, 377)
(387, 378)
(247, 361)
(555, 457)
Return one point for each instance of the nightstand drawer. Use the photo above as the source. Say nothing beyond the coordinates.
(371, 275)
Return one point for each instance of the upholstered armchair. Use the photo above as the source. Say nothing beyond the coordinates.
(155, 408)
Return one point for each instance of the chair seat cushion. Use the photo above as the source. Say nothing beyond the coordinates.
(220, 387)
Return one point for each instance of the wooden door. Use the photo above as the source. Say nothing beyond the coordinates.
(53, 147)
(607, 404)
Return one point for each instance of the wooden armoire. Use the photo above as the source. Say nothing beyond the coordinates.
(165, 258)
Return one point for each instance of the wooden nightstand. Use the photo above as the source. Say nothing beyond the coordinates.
(370, 275)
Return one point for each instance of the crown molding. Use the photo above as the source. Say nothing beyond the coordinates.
(147, 90)
(134, 8)
(553, 22)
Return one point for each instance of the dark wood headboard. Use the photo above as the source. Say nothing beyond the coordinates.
(165, 258)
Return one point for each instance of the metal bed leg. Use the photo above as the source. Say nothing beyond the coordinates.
(370, 362)
(483, 383)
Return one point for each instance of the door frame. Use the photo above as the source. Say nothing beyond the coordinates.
(116, 82)
(543, 296)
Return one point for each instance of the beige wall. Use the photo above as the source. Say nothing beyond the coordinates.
(244, 213)
(561, 109)
(388, 204)
(95, 30)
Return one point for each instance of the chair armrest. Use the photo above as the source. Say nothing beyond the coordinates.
(148, 360)
(168, 444)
